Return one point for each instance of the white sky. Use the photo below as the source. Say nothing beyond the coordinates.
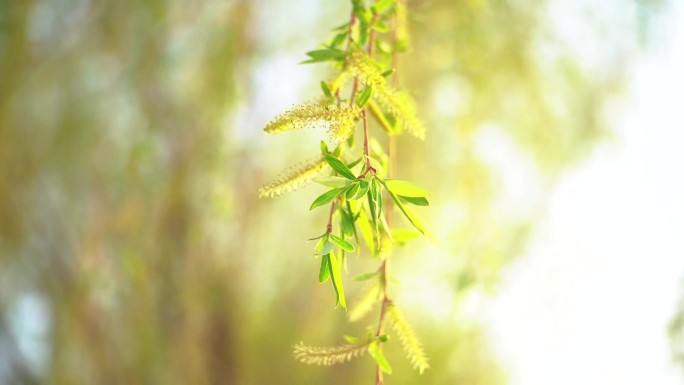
(591, 300)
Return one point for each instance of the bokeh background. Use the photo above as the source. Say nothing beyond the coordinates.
(134, 248)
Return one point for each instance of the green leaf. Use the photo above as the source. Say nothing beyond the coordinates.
(385, 226)
(341, 27)
(352, 339)
(324, 273)
(323, 246)
(387, 73)
(347, 223)
(327, 246)
(332, 181)
(339, 39)
(409, 215)
(366, 231)
(324, 147)
(379, 357)
(376, 182)
(318, 237)
(327, 197)
(381, 6)
(366, 276)
(326, 89)
(344, 245)
(352, 190)
(363, 33)
(321, 242)
(402, 236)
(405, 189)
(337, 151)
(361, 12)
(363, 189)
(336, 276)
(327, 54)
(364, 97)
(382, 119)
(354, 163)
(372, 206)
(339, 167)
(418, 201)
(380, 27)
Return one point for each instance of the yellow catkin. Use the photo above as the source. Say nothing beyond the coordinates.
(412, 346)
(340, 119)
(365, 303)
(294, 178)
(397, 103)
(328, 356)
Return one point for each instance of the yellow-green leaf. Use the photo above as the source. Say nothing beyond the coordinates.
(405, 189)
(336, 275)
(344, 245)
(326, 197)
(377, 354)
(324, 273)
(339, 167)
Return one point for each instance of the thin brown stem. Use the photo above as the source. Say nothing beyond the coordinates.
(371, 36)
(329, 227)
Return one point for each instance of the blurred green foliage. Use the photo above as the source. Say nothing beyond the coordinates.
(133, 246)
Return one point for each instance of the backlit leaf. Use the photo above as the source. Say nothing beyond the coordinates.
(344, 245)
(379, 357)
(405, 189)
(324, 273)
(340, 167)
(327, 197)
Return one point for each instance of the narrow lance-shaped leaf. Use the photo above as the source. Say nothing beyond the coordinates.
(332, 181)
(365, 96)
(324, 273)
(366, 231)
(327, 54)
(346, 222)
(372, 206)
(402, 236)
(405, 189)
(375, 111)
(363, 189)
(366, 276)
(326, 89)
(407, 213)
(351, 192)
(379, 357)
(340, 167)
(336, 275)
(381, 6)
(344, 245)
(327, 197)
(418, 201)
